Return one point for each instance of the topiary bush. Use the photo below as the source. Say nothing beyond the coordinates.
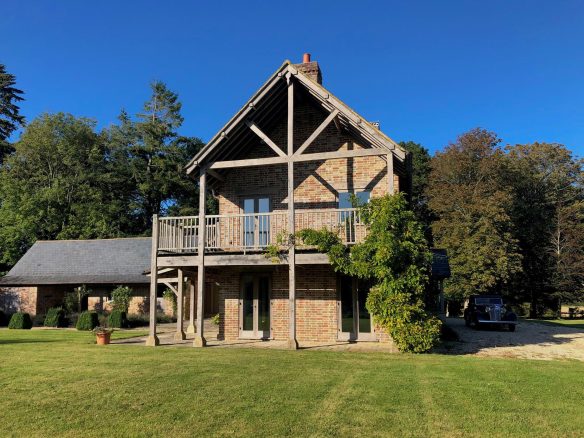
(117, 319)
(20, 320)
(55, 317)
(87, 321)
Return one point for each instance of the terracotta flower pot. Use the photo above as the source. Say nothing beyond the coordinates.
(103, 338)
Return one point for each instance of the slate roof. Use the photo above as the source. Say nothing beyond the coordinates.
(440, 265)
(107, 261)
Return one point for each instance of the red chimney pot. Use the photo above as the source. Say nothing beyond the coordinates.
(306, 58)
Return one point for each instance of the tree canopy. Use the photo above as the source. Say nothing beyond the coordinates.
(10, 117)
(65, 180)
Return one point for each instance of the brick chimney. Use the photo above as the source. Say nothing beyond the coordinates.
(310, 68)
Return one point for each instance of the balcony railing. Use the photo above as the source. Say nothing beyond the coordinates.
(254, 232)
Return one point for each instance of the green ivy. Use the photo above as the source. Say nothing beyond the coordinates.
(396, 258)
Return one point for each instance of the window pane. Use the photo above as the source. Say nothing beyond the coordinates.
(345, 200)
(264, 222)
(247, 298)
(364, 317)
(248, 222)
(346, 304)
(263, 205)
(248, 206)
(363, 197)
(264, 305)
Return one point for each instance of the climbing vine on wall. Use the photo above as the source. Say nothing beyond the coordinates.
(396, 258)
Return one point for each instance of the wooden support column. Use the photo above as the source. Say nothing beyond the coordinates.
(152, 339)
(390, 187)
(199, 335)
(191, 287)
(180, 333)
(292, 343)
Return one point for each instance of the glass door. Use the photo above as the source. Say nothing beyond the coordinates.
(254, 307)
(355, 322)
(256, 226)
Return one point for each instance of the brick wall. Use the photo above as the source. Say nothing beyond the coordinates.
(317, 184)
(316, 303)
(15, 299)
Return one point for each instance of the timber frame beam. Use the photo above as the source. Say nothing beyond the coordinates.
(265, 138)
(321, 156)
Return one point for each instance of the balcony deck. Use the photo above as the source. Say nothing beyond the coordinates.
(251, 234)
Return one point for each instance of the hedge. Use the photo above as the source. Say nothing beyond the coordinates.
(87, 321)
(20, 320)
(117, 319)
(55, 317)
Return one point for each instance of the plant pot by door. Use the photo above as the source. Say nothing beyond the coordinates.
(103, 338)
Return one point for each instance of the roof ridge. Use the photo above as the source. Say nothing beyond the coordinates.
(92, 240)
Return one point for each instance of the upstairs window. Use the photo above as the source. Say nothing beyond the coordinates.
(345, 198)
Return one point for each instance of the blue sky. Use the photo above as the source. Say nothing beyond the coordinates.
(428, 71)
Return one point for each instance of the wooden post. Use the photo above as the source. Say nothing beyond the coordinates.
(292, 343)
(191, 286)
(390, 187)
(152, 339)
(199, 335)
(180, 334)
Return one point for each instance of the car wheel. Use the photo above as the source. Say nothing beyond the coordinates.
(511, 327)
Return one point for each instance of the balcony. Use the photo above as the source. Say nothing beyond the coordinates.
(252, 233)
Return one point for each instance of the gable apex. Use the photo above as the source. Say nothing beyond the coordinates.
(271, 90)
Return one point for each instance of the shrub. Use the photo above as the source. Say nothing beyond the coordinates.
(170, 299)
(74, 299)
(121, 296)
(117, 319)
(55, 317)
(87, 321)
(20, 320)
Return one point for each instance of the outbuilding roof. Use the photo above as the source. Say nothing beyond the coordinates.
(99, 261)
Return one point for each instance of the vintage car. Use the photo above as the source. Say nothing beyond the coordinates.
(488, 310)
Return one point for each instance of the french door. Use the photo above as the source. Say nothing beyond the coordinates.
(256, 224)
(355, 322)
(254, 307)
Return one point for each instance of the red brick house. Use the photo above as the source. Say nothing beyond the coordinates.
(289, 159)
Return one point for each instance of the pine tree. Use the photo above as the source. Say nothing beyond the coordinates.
(10, 118)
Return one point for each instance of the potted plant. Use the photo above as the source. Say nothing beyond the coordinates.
(102, 335)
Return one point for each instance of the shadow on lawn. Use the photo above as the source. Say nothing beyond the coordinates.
(527, 334)
(27, 341)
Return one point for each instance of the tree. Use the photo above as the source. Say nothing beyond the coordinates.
(548, 190)
(10, 118)
(394, 256)
(56, 186)
(152, 155)
(468, 193)
(420, 172)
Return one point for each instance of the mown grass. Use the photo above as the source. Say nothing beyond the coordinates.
(56, 383)
(572, 323)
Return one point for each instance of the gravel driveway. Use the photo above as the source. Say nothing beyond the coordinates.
(531, 340)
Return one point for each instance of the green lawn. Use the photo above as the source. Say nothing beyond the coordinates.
(572, 323)
(57, 383)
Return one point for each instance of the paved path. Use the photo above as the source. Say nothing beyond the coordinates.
(531, 340)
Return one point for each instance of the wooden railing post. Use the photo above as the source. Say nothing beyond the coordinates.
(152, 338)
(180, 333)
(199, 335)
